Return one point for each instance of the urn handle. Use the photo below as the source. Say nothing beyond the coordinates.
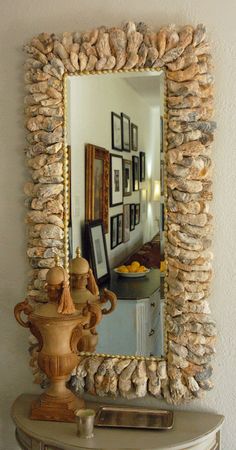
(75, 337)
(108, 296)
(93, 313)
(26, 309)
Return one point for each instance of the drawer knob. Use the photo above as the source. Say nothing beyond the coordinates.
(151, 332)
(153, 304)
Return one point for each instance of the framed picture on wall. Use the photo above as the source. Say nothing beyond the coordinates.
(137, 214)
(97, 250)
(162, 176)
(162, 217)
(134, 137)
(119, 229)
(135, 164)
(116, 138)
(125, 131)
(97, 168)
(126, 223)
(127, 177)
(142, 167)
(161, 133)
(132, 216)
(116, 180)
(114, 231)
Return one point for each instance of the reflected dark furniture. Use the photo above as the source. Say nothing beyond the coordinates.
(148, 254)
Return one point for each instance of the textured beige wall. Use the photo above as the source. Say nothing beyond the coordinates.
(19, 21)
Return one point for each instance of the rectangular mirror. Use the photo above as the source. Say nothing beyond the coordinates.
(115, 135)
(116, 140)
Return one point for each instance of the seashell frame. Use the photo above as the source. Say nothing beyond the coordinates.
(184, 55)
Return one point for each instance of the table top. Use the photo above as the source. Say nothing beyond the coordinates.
(134, 288)
(189, 428)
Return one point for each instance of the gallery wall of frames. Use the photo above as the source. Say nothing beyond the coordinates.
(121, 157)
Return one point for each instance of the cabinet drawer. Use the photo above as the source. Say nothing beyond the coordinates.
(23, 439)
(37, 445)
(51, 448)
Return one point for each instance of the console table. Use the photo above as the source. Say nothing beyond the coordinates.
(191, 431)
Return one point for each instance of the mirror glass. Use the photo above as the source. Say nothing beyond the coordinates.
(115, 136)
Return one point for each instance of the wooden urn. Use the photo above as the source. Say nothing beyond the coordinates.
(58, 335)
(84, 289)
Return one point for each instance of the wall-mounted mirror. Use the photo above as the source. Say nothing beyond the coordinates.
(119, 117)
(108, 137)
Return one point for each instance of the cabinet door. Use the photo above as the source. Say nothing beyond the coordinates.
(156, 325)
(142, 327)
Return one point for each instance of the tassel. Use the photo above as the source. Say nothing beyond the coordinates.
(66, 305)
(92, 285)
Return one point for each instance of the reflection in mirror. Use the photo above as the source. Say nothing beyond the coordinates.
(115, 135)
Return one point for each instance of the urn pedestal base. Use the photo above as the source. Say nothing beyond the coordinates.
(60, 408)
(45, 407)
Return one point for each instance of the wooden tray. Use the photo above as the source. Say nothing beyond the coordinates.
(108, 416)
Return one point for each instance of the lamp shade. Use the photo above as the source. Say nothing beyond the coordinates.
(156, 190)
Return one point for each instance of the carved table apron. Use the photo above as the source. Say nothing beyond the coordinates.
(191, 430)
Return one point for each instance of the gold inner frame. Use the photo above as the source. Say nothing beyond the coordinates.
(66, 198)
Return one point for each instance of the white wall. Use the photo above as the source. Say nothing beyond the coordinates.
(20, 20)
(90, 103)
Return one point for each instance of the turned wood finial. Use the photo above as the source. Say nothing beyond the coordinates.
(55, 275)
(79, 265)
(57, 260)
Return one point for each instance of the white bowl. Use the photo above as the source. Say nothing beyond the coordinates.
(132, 274)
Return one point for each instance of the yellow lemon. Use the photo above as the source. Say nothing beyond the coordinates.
(142, 269)
(135, 264)
(122, 269)
(129, 267)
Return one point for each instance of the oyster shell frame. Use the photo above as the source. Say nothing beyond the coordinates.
(184, 56)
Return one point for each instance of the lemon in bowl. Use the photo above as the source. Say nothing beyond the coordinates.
(135, 269)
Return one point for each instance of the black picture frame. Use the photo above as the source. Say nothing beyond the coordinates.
(125, 132)
(116, 180)
(162, 176)
(134, 137)
(114, 231)
(162, 217)
(127, 177)
(97, 250)
(132, 216)
(126, 222)
(137, 214)
(135, 172)
(116, 132)
(142, 168)
(161, 133)
(119, 229)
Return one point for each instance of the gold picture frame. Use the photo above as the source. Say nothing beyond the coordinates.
(97, 169)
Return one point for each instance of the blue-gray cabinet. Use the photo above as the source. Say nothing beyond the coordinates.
(136, 327)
